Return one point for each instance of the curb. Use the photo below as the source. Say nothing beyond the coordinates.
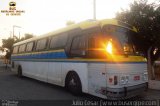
(4, 65)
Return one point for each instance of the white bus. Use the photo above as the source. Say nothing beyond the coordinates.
(95, 57)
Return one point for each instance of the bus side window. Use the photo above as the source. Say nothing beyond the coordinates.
(96, 46)
(29, 47)
(15, 49)
(79, 45)
(75, 43)
(92, 42)
(58, 41)
(53, 42)
(41, 44)
(22, 48)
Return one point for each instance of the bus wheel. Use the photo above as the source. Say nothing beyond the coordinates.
(19, 72)
(73, 83)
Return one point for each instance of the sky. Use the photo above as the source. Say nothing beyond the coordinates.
(43, 16)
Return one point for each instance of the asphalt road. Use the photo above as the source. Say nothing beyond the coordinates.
(15, 88)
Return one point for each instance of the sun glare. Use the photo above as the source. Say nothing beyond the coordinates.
(109, 47)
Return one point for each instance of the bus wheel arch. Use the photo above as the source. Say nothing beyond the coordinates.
(19, 71)
(73, 83)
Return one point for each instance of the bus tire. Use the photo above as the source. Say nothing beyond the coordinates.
(19, 72)
(73, 83)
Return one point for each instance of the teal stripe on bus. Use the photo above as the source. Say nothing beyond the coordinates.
(48, 55)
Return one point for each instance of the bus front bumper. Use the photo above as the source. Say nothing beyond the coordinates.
(126, 92)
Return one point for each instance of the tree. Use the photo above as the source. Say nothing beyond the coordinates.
(1, 49)
(27, 36)
(8, 43)
(70, 23)
(146, 18)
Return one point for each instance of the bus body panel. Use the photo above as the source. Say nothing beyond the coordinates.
(97, 79)
(99, 74)
(37, 70)
(93, 76)
(54, 72)
(127, 69)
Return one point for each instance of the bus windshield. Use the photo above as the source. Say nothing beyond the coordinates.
(113, 40)
(120, 39)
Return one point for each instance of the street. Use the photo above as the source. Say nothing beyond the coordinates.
(15, 88)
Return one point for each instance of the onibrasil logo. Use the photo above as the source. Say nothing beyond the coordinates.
(12, 11)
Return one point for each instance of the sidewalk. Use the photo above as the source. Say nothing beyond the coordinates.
(151, 94)
(154, 84)
(4, 65)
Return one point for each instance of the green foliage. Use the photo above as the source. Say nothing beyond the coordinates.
(146, 18)
(27, 36)
(8, 43)
(70, 23)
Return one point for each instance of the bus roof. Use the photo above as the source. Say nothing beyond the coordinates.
(83, 25)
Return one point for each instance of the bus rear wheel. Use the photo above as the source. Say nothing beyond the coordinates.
(19, 72)
(73, 83)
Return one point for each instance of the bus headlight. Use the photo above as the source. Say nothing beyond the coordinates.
(145, 76)
(124, 79)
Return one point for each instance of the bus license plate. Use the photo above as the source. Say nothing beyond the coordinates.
(136, 77)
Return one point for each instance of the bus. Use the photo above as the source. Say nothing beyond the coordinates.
(97, 57)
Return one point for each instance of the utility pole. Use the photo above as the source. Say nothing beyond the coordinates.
(13, 31)
(14, 26)
(94, 9)
(19, 35)
(10, 34)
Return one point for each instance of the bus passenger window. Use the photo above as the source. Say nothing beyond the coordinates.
(22, 48)
(75, 43)
(58, 41)
(78, 47)
(41, 44)
(96, 42)
(53, 42)
(92, 43)
(96, 46)
(15, 49)
(29, 47)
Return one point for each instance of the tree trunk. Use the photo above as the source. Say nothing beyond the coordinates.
(149, 65)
